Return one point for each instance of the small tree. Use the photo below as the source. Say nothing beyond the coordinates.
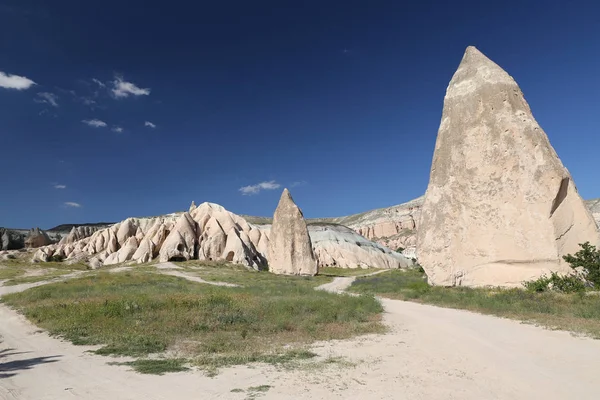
(588, 258)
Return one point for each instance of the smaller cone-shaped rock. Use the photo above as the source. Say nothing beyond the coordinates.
(500, 207)
(37, 238)
(290, 248)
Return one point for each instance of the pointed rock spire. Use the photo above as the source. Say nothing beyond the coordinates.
(500, 207)
(290, 248)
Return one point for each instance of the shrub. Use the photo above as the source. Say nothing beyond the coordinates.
(557, 283)
(399, 249)
(56, 258)
(542, 284)
(588, 259)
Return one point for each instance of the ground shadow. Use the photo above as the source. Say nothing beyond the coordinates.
(11, 352)
(10, 368)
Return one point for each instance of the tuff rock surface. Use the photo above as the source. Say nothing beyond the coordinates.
(37, 238)
(209, 232)
(11, 240)
(341, 247)
(290, 247)
(500, 207)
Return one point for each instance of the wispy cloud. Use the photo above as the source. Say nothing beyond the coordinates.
(47, 98)
(99, 83)
(95, 123)
(8, 81)
(47, 113)
(117, 129)
(122, 89)
(298, 183)
(72, 204)
(87, 101)
(255, 189)
(149, 124)
(60, 186)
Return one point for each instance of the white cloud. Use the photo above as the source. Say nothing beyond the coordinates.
(149, 124)
(95, 123)
(87, 101)
(255, 189)
(15, 82)
(99, 83)
(72, 204)
(47, 98)
(117, 129)
(60, 186)
(122, 89)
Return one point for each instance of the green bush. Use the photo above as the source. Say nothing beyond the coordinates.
(588, 258)
(557, 283)
(542, 284)
(399, 249)
(56, 258)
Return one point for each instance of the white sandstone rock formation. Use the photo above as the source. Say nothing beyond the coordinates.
(290, 248)
(594, 207)
(500, 207)
(209, 232)
(181, 236)
(340, 246)
(393, 227)
(77, 233)
(375, 224)
(181, 242)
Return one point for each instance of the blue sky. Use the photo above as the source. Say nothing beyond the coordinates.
(114, 109)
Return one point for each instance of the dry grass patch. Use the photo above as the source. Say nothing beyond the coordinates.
(576, 312)
(19, 271)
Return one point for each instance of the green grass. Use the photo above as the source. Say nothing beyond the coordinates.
(240, 275)
(334, 272)
(11, 271)
(579, 313)
(270, 319)
(157, 367)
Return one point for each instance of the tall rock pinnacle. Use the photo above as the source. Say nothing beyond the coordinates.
(500, 207)
(290, 248)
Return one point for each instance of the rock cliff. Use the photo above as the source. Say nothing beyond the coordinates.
(500, 207)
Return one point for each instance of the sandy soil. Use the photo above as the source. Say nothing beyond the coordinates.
(430, 353)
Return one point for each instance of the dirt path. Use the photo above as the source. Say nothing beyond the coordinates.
(19, 288)
(168, 268)
(430, 353)
(340, 284)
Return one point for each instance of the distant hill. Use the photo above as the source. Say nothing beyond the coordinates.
(68, 227)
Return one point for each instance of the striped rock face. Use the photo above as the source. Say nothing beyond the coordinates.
(500, 207)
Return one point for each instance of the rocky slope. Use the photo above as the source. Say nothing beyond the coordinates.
(209, 232)
(594, 207)
(13, 239)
